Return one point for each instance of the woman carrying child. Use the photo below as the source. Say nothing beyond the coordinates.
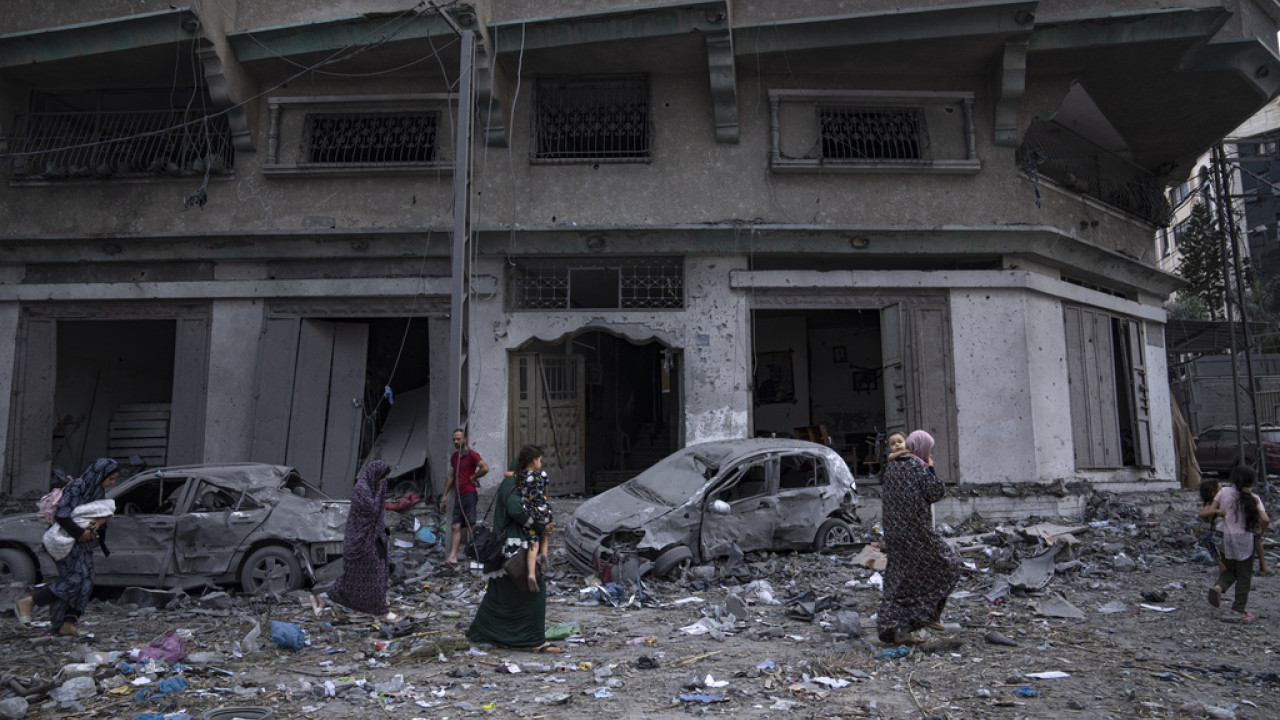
(1243, 515)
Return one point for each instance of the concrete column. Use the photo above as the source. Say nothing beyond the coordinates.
(234, 346)
(9, 313)
(438, 444)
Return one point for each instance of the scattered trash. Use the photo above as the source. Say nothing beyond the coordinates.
(1049, 675)
(1057, 606)
(1026, 692)
(287, 635)
(1157, 608)
(1115, 606)
(893, 653)
(705, 698)
(167, 647)
(996, 638)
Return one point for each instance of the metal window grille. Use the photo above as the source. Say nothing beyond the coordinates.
(560, 378)
(636, 284)
(856, 133)
(592, 120)
(372, 138)
(127, 143)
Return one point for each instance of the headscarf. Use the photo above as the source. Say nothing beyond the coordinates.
(920, 444)
(364, 519)
(87, 488)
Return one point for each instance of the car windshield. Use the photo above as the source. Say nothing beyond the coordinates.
(674, 479)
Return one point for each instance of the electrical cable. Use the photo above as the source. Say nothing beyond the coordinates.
(336, 56)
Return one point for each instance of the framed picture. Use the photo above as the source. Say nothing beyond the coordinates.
(839, 355)
(775, 381)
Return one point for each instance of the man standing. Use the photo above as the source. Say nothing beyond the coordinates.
(465, 467)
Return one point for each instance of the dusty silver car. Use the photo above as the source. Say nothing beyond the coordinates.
(259, 526)
(694, 505)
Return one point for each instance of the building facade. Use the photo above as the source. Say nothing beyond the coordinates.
(308, 233)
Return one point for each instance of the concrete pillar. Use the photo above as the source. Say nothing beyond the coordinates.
(234, 346)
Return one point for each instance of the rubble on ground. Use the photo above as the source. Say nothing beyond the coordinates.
(1102, 616)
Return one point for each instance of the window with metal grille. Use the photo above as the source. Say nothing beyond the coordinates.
(52, 146)
(613, 284)
(371, 138)
(860, 133)
(592, 120)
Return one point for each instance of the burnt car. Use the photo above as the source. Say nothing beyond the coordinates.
(1218, 448)
(259, 526)
(697, 503)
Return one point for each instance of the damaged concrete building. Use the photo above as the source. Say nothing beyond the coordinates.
(308, 233)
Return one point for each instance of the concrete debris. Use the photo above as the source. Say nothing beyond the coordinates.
(784, 632)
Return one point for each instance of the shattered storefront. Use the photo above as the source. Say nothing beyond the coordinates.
(1026, 382)
(317, 385)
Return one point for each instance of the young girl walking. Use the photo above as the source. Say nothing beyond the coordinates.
(533, 496)
(1243, 515)
(1212, 539)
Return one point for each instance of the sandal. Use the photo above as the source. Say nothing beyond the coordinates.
(1245, 617)
(23, 620)
(1215, 596)
(551, 648)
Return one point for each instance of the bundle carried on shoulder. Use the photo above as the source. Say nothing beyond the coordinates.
(56, 540)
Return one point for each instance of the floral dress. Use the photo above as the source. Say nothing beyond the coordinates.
(533, 497)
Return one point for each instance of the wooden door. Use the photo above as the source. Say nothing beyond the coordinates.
(547, 409)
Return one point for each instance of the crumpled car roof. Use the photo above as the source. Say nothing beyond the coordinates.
(251, 476)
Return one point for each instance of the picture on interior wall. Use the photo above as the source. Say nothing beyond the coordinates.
(839, 354)
(866, 379)
(775, 382)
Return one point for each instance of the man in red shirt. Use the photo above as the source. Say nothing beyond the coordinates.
(465, 468)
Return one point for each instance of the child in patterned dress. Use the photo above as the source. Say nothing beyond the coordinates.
(533, 496)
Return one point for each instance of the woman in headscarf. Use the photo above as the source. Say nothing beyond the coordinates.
(922, 570)
(69, 594)
(363, 585)
(509, 615)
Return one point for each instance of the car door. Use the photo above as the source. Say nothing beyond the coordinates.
(141, 534)
(219, 522)
(804, 494)
(748, 488)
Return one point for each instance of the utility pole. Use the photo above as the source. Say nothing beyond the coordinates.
(1230, 250)
(460, 305)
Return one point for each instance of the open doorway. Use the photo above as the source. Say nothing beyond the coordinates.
(113, 393)
(603, 408)
(826, 369)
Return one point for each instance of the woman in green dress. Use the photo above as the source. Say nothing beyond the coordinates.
(507, 615)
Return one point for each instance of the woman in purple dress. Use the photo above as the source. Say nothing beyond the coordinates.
(363, 585)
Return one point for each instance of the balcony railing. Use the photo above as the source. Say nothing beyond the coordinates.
(55, 146)
(1078, 164)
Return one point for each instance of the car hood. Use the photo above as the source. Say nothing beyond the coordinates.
(618, 509)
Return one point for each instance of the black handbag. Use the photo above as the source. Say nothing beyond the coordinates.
(485, 546)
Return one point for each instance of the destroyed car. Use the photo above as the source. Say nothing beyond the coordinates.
(259, 526)
(698, 503)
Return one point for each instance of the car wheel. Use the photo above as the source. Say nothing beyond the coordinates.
(671, 559)
(833, 533)
(16, 567)
(270, 569)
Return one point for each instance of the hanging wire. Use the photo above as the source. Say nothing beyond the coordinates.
(337, 56)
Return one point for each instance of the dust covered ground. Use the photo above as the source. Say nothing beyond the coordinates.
(1121, 625)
